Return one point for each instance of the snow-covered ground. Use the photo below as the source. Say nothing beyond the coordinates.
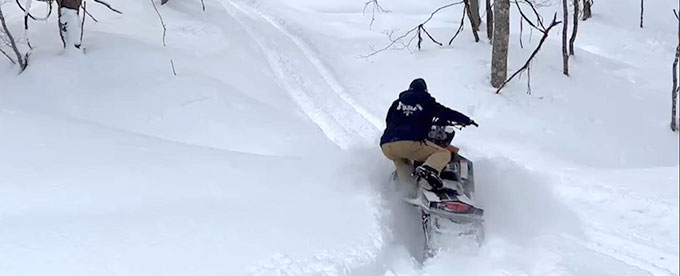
(260, 157)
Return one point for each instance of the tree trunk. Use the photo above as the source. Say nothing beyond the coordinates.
(574, 31)
(675, 123)
(674, 98)
(587, 9)
(565, 29)
(22, 60)
(489, 20)
(471, 15)
(642, 13)
(69, 22)
(71, 4)
(501, 35)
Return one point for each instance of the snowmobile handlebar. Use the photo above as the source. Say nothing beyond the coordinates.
(460, 126)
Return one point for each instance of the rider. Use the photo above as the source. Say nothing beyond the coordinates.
(408, 121)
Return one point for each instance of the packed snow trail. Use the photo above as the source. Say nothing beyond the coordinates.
(307, 80)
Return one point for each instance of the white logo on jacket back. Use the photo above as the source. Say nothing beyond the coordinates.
(409, 109)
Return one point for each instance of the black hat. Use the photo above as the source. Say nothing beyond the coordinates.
(418, 85)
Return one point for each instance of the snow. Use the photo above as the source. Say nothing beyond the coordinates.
(260, 156)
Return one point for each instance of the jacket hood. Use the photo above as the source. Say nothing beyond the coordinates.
(418, 85)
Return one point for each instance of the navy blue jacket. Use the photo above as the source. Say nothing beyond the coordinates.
(410, 117)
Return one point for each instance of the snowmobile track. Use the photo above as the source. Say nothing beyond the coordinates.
(309, 82)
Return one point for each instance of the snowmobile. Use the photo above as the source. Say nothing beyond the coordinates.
(449, 215)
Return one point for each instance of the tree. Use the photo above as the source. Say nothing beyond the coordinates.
(587, 9)
(489, 20)
(472, 10)
(69, 22)
(675, 124)
(642, 13)
(565, 29)
(575, 28)
(7, 38)
(501, 36)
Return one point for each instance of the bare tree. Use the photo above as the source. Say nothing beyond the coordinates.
(473, 14)
(574, 30)
(489, 20)
(565, 29)
(21, 59)
(527, 65)
(587, 9)
(501, 35)
(69, 22)
(642, 13)
(675, 124)
(406, 40)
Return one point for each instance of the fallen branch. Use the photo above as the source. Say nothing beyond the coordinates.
(533, 54)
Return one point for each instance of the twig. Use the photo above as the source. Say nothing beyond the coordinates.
(409, 33)
(521, 33)
(91, 16)
(23, 63)
(82, 23)
(524, 16)
(538, 16)
(8, 57)
(172, 65)
(642, 13)
(533, 54)
(108, 6)
(375, 7)
(428, 35)
(460, 28)
(160, 17)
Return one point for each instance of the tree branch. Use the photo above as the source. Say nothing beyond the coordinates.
(23, 63)
(413, 33)
(160, 17)
(108, 6)
(533, 54)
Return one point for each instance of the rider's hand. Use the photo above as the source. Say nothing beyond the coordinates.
(473, 123)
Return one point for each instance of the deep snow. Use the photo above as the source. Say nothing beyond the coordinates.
(260, 156)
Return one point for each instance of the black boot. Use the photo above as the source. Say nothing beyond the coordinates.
(431, 176)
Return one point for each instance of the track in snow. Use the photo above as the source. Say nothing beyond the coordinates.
(307, 80)
(323, 99)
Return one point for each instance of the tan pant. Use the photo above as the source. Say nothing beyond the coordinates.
(402, 153)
